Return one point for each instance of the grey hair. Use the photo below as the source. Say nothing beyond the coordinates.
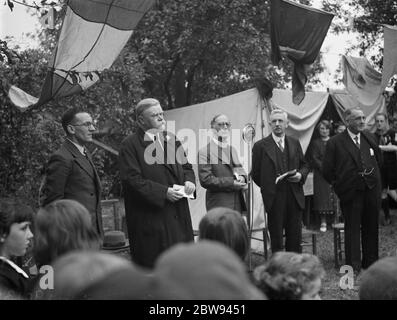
(279, 111)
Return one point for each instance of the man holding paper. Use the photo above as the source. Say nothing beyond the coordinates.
(351, 165)
(220, 171)
(280, 169)
(157, 179)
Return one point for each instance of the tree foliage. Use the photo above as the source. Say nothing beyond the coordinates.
(182, 52)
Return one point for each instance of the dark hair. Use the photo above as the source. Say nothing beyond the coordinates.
(63, 226)
(226, 226)
(13, 211)
(288, 275)
(68, 117)
(324, 123)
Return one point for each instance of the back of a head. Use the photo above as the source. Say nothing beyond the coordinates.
(206, 270)
(379, 281)
(60, 227)
(226, 226)
(288, 275)
(77, 270)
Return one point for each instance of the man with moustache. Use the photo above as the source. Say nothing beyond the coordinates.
(351, 165)
(151, 162)
(284, 200)
(70, 172)
(220, 170)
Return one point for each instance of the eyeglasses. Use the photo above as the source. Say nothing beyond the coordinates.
(224, 124)
(87, 124)
(156, 115)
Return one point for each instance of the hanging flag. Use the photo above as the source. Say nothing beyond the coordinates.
(389, 55)
(92, 35)
(361, 80)
(298, 31)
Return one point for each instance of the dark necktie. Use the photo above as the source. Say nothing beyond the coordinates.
(280, 145)
(356, 141)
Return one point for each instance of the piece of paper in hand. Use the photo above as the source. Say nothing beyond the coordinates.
(286, 175)
(181, 190)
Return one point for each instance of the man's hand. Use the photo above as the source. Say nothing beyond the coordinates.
(173, 195)
(241, 179)
(189, 187)
(239, 185)
(295, 178)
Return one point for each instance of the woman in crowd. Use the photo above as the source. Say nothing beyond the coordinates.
(60, 227)
(290, 276)
(15, 237)
(323, 195)
(228, 227)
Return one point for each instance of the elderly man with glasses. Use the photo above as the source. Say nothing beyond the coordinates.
(220, 170)
(157, 179)
(70, 172)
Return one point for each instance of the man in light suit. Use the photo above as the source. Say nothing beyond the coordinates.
(220, 171)
(351, 165)
(70, 172)
(284, 202)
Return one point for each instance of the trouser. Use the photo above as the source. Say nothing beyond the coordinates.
(285, 214)
(361, 218)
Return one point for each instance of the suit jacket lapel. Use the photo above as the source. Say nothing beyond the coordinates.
(79, 158)
(97, 180)
(350, 146)
(270, 146)
(291, 152)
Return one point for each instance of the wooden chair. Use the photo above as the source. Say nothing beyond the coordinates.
(339, 232)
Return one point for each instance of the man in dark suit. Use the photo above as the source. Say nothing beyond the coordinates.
(152, 166)
(220, 171)
(351, 165)
(284, 201)
(70, 172)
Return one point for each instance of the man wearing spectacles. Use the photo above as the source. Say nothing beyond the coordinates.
(220, 170)
(153, 166)
(70, 172)
(351, 165)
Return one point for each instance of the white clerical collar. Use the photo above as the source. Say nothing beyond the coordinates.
(353, 135)
(277, 139)
(79, 147)
(14, 266)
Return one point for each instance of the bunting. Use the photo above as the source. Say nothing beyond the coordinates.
(92, 35)
(297, 31)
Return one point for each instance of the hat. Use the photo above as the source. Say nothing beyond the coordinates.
(379, 281)
(114, 240)
(206, 270)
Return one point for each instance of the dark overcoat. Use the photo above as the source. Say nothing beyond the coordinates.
(154, 223)
(70, 175)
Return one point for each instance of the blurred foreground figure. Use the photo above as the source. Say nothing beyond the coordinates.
(379, 281)
(206, 270)
(290, 276)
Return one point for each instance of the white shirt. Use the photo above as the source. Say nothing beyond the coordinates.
(353, 136)
(279, 140)
(79, 147)
(14, 266)
(151, 136)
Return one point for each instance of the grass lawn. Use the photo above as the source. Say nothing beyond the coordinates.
(325, 251)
